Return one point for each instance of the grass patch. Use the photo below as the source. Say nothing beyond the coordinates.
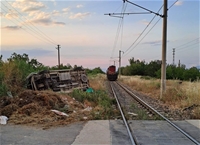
(179, 95)
(142, 114)
(97, 81)
(99, 100)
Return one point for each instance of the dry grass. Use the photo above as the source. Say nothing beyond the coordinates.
(12, 77)
(97, 81)
(178, 95)
(150, 87)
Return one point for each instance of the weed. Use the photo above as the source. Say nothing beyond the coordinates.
(101, 101)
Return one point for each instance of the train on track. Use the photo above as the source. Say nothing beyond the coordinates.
(111, 73)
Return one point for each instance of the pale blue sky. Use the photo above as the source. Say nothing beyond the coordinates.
(87, 36)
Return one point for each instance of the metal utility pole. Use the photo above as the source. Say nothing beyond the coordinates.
(173, 56)
(164, 41)
(58, 56)
(164, 48)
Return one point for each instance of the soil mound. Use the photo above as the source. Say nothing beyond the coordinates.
(36, 108)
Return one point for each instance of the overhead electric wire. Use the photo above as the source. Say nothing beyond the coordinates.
(173, 4)
(144, 36)
(186, 47)
(43, 36)
(188, 42)
(142, 33)
(112, 14)
(145, 29)
(122, 30)
(30, 28)
(144, 8)
(118, 31)
(23, 28)
(33, 25)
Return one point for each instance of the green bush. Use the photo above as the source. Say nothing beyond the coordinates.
(14, 71)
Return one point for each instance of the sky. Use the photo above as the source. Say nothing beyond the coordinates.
(89, 37)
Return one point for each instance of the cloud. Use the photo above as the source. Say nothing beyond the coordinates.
(46, 22)
(43, 18)
(10, 14)
(32, 52)
(29, 9)
(154, 43)
(54, 2)
(28, 5)
(12, 27)
(1, 14)
(79, 15)
(55, 13)
(35, 14)
(65, 10)
(145, 22)
(79, 6)
(58, 23)
(157, 42)
(179, 3)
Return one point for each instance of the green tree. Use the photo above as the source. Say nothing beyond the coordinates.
(191, 74)
(171, 72)
(127, 71)
(62, 66)
(18, 57)
(179, 71)
(13, 73)
(95, 71)
(1, 59)
(152, 68)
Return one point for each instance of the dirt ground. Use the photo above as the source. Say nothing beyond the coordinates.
(35, 108)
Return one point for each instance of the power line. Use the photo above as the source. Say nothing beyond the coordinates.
(23, 28)
(145, 29)
(122, 26)
(181, 48)
(173, 4)
(188, 42)
(118, 31)
(187, 47)
(144, 36)
(142, 33)
(39, 32)
(144, 8)
(31, 28)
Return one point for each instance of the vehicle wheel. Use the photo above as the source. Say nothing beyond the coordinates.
(84, 78)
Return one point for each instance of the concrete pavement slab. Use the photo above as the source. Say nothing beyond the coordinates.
(157, 133)
(27, 135)
(94, 132)
(107, 132)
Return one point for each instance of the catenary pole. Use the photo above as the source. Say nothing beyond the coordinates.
(119, 63)
(164, 48)
(120, 56)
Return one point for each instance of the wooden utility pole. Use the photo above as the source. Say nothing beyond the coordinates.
(58, 55)
(164, 48)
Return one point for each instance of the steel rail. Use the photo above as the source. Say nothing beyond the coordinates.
(123, 117)
(155, 111)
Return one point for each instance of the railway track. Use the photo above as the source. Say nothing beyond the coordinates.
(117, 90)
